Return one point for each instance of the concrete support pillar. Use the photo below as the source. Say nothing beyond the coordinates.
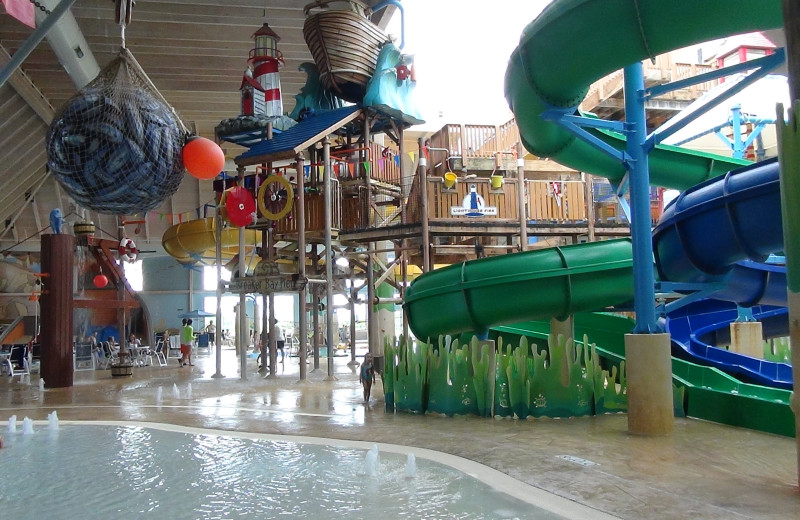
(564, 328)
(384, 312)
(56, 310)
(746, 338)
(649, 373)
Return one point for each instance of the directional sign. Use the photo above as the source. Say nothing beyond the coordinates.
(268, 284)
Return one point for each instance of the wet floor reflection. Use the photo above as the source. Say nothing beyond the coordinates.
(720, 472)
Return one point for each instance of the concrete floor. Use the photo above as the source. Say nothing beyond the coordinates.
(703, 470)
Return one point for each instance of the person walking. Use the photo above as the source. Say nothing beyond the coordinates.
(187, 336)
(212, 333)
(280, 340)
(366, 376)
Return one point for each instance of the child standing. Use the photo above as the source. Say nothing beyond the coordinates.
(367, 375)
(187, 336)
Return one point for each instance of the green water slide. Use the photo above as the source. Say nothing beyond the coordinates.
(573, 43)
(555, 282)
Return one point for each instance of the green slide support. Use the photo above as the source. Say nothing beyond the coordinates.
(560, 281)
(567, 47)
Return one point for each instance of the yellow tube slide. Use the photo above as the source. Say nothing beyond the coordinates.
(195, 241)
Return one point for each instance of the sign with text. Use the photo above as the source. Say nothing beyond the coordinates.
(473, 205)
(268, 284)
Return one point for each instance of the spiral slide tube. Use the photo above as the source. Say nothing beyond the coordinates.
(575, 42)
(195, 241)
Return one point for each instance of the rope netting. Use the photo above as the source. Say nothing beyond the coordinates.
(115, 146)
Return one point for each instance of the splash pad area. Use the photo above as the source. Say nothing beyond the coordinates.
(170, 472)
(704, 470)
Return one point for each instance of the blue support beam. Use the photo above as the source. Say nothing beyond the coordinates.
(619, 191)
(575, 125)
(34, 39)
(697, 291)
(767, 65)
(643, 276)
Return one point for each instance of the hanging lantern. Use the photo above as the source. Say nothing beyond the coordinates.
(100, 281)
(203, 158)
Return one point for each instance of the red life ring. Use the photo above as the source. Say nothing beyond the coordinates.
(127, 250)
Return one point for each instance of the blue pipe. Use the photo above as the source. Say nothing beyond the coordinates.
(643, 276)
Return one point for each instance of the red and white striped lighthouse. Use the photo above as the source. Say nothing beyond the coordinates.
(266, 60)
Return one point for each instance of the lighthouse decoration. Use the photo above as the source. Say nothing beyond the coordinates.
(261, 84)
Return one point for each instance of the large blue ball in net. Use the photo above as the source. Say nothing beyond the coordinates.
(116, 151)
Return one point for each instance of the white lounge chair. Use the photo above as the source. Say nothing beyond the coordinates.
(159, 353)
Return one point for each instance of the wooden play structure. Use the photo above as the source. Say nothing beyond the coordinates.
(348, 183)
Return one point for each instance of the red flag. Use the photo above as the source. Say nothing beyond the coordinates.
(22, 10)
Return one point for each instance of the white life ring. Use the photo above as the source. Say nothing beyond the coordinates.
(127, 250)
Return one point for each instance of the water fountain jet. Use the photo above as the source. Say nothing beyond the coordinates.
(52, 419)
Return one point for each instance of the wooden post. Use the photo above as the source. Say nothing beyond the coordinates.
(588, 194)
(56, 311)
(423, 209)
(243, 335)
(523, 214)
(315, 306)
(372, 325)
(353, 301)
(301, 266)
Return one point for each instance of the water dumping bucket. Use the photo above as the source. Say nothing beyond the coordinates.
(497, 182)
(450, 179)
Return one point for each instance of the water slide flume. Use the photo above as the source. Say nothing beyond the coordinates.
(194, 241)
(573, 43)
(559, 281)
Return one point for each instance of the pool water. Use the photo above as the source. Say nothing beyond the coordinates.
(103, 471)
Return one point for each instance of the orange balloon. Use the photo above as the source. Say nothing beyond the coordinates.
(203, 158)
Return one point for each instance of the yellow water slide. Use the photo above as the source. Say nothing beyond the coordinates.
(195, 241)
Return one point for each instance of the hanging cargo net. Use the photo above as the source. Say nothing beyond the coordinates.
(115, 147)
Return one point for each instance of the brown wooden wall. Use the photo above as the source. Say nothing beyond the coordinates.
(440, 199)
(544, 202)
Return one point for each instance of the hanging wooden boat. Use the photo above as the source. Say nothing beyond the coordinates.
(344, 44)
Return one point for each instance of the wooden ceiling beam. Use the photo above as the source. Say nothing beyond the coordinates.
(27, 90)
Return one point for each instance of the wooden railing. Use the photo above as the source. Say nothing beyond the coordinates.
(465, 142)
(314, 213)
(377, 160)
(384, 168)
(662, 71)
(563, 202)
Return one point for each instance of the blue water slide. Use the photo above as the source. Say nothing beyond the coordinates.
(709, 228)
(721, 231)
(695, 327)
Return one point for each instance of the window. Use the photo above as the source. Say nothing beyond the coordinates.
(210, 277)
(133, 272)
